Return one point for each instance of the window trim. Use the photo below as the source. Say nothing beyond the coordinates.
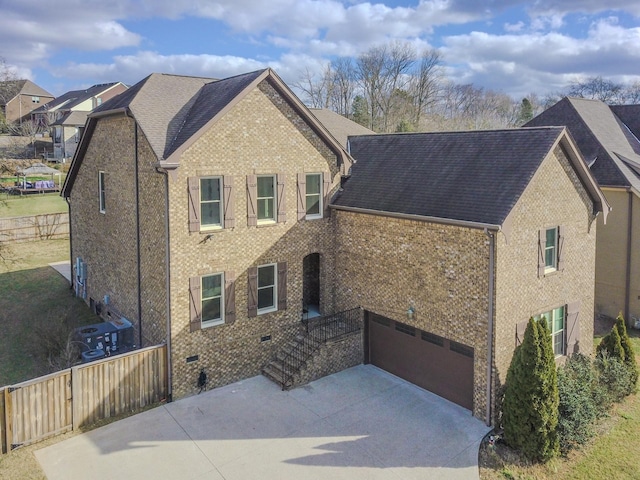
(274, 285)
(213, 322)
(217, 226)
(554, 264)
(102, 193)
(549, 317)
(320, 196)
(274, 214)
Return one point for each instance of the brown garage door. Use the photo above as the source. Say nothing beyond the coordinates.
(434, 363)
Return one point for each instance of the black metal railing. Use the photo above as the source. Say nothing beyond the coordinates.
(318, 331)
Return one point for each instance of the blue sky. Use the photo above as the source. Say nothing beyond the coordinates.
(510, 46)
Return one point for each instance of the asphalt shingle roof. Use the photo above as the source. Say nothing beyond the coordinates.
(340, 127)
(72, 98)
(601, 136)
(474, 176)
(9, 89)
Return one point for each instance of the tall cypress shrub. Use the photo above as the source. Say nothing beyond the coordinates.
(530, 406)
(627, 347)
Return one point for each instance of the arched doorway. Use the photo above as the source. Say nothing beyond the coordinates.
(311, 286)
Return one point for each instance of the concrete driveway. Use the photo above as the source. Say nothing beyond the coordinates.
(362, 423)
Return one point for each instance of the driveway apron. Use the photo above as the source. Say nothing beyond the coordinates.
(362, 423)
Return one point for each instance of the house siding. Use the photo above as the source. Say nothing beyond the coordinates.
(613, 254)
(554, 197)
(107, 241)
(261, 134)
(387, 264)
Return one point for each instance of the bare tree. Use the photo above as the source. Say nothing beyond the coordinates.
(315, 88)
(343, 81)
(426, 83)
(597, 88)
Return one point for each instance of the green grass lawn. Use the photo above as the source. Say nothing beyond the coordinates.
(36, 301)
(33, 204)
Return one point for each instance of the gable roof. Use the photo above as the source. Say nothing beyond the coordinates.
(608, 145)
(73, 98)
(10, 89)
(340, 127)
(471, 178)
(174, 111)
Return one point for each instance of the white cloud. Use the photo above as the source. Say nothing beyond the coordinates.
(515, 63)
(514, 27)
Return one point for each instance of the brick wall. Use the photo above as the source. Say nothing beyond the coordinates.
(332, 357)
(107, 241)
(386, 264)
(555, 196)
(261, 134)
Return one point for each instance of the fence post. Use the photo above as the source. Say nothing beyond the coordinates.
(76, 399)
(8, 428)
(3, 424)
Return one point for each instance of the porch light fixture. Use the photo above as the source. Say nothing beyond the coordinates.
(410, 312)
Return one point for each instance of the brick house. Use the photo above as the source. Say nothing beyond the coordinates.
(18, 98)
(608, 137)
(452, 241)
(66, 115)
(219, 215)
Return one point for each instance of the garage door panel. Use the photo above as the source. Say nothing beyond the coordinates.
(423, 359)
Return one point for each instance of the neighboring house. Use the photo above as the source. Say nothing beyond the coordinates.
(201, 210)
(18, 98)
(67, 114)
(608, 139)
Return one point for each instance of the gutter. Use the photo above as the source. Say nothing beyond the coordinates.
(139, 262)
(420, 218)
(73, 277)
(492, 244)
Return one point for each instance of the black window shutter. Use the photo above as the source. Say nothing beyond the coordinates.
(229, 202)
(229, 297)
(573, 329)
(193, 184)
(252, 291)
(252, 200)
(541, 244)
(521, 327)
(302, 191)
(282, 286)
(282, 205)
(326, 184)
(195, 304)
(561, 232)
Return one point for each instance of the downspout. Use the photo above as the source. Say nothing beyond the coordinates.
(139, 262)
(627, 284)
(167, 282)
(492, 244)
(66, 199)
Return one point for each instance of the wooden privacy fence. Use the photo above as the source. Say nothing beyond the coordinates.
(32, 228)
(46, 406)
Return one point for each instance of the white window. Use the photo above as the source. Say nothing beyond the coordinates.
(35, 99)
(99, 101)
(551, 249)
(266, 198)
(210, 202)
(102, 194)
(313, 195)
(212, 289)
(556, 323)
(267, 288)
